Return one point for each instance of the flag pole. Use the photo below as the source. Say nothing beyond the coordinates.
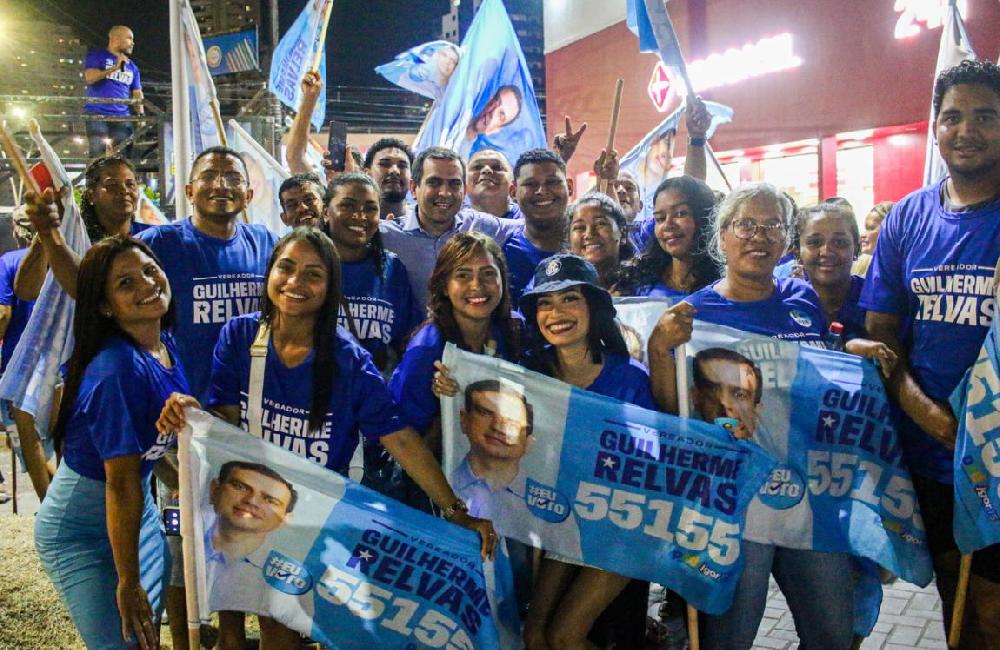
(321, 44)
(14, 154)
(187, 537)
(684, 410)
(691, 95)
(615, 110)
(962, 592)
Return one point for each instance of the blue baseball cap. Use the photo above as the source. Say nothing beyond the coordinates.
(562, 271)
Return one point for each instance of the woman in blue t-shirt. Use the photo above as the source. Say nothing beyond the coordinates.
(573, 337)
(97, 532)
(376, 285)
(598, 234)
(317, 382)
(676, 261)
(750, 235)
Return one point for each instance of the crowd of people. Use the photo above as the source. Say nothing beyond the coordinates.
(386, 262)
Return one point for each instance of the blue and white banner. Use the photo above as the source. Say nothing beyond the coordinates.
(840, 485)
(637, 316)
(632, 491)
(977, 450)
(266, 175)
(47, 342)
(293, 57)
(490, 100)
(281, 536)
(201, 87)
(234, 52)
(424, 69)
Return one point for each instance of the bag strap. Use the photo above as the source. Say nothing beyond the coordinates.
(255, 391)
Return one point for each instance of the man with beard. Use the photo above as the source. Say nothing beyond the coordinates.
(302, 197)
(438, 184)
(930, 283)
(489, 184)
(388, 161)
(542, 191)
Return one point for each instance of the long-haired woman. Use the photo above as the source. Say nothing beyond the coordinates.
(598, 232)
(97, 531)
(314, 367)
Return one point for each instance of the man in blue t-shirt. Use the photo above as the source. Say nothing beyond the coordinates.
(542, 190)
(930, 284)
(110, 74)
(216, 266)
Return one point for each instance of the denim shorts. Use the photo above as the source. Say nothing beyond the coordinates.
(71, 538)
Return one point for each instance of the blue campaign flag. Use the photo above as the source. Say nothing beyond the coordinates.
(977, 450)
(293, 57)
(841, 484)
(648, 19)
(201, 88)
(595, 480)
(424, 69)
(489, 101)
(331, 559)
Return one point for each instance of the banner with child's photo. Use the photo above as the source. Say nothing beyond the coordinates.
(632, 491)
(281, 536)
(841, 484)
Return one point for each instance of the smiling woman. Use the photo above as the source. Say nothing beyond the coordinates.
(597, 229)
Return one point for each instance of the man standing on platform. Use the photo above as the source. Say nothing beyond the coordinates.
(110, 74)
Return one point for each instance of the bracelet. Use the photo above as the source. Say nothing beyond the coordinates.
(697, 142)
(455, 508)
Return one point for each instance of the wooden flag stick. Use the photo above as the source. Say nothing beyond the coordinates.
(14, 154)
(684, 410)
(615, 110)
(694, 641)
(961, 593)
(187, 538)
(322, 36)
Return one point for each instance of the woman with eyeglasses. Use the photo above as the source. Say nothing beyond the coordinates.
(750, 235)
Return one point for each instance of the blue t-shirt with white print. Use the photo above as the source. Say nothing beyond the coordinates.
(359, 400)
(212, 280)
(792, 312)
(381, 304)
(934, 269)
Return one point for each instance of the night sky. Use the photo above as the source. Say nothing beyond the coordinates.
(362, 33)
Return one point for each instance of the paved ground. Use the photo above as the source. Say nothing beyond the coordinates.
(910, 617)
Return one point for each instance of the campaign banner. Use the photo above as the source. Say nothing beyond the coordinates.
(293, 57)
(490, 100)
(636, 318)
(233, 52)
(201, 86)
(278, 535)
(840, 485)
(598, 481)
(424, 69)
(977, 450)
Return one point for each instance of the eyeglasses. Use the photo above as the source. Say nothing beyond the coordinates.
(748, 229)
(231, 179)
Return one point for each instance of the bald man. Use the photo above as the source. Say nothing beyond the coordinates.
(110, 73)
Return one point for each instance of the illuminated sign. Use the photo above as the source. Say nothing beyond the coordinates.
(732, 66)
(929, 12)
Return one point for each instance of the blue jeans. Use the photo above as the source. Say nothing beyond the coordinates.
(99, 132)
(71, 537)
(819, 589)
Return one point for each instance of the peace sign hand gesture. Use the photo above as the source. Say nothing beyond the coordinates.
(565, 143)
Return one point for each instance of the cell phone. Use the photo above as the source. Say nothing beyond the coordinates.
(337, 145)
(41, 174)
(172, 521)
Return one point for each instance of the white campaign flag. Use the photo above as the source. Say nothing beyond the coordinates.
(955, 48)
(204, 102)
(47, 341)
(266, 175)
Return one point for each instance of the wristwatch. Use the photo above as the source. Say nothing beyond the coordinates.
(455, 508)
(696, 142)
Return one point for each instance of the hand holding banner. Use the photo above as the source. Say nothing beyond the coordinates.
(632, 491)
(280, 536)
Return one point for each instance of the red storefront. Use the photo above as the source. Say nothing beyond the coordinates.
(828, 101)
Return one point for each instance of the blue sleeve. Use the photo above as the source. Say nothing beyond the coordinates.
(136, 84)
(93, 61)
(884, 290)
(115, 410)
(409, 315)
(410, 387)
(6, 281)
(374, 410)
(226, 382)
